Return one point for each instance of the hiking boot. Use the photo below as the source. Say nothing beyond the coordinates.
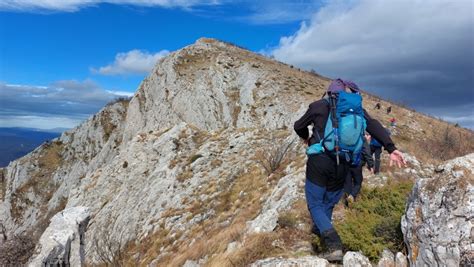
(315, 231)
(332, 256)
(333, 244)
(350, 200)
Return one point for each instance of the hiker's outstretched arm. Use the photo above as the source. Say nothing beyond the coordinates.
(301, 125)
(378, 132)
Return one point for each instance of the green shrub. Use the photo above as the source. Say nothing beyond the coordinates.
(373, 222)
(194, 158)
(287, 220)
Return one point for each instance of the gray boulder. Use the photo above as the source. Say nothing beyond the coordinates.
(387, 259)
(437, 225)
(401, 260)
(355, 259)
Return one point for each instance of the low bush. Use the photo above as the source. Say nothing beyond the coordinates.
(373, 222)
(287, 220)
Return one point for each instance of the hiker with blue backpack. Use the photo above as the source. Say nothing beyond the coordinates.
(339, 123)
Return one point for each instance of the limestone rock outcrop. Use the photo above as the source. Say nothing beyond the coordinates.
(437, 226)
(62, 243)
(355, 259)
(307, 261)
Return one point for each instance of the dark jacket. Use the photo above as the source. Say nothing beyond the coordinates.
(317, 115)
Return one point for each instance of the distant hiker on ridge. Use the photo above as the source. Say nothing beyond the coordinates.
(339, 122)
(377, 106)
(393, 122)
(354, 176)
(376, 152)
(389, 109)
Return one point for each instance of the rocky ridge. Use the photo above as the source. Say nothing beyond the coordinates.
(177, 173)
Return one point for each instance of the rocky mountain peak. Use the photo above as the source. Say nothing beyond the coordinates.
(214, 85)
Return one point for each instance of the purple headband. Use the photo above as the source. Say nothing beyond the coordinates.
(338, 85)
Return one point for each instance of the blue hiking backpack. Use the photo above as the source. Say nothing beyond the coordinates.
(345, 127)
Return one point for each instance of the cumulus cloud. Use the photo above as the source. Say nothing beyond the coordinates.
(132, 62)
(75, 5)
(416, 52)
(62, 104)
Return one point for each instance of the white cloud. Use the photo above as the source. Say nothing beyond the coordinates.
(132, 62)
(376, 33)
(62, 104)
(75, 5)
(39, 122)
(120, 93)
(417, 52)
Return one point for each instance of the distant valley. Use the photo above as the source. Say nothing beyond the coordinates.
(17, 142)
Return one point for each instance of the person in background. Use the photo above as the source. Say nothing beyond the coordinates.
(393, 122)
(389, 109)
(376, 151)
(354, 177)
(377, 106)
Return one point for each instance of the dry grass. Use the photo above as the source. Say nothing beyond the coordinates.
(233, 96)
(211, 236)
(257, 246)
(16, 250)
(185, 174)
(447, 144)
(107, 125)
(214, 241)
(40, 182)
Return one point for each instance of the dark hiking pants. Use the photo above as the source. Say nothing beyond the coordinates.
(323, 189)
(377, 151)
(353, 181)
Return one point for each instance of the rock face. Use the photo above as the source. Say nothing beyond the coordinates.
(282, 196)
(63, 240)
(308, 261)
(437, 226)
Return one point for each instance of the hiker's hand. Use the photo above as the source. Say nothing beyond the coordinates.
(397, 157)
(305, 141)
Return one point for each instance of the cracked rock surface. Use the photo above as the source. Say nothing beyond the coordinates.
(437, 226)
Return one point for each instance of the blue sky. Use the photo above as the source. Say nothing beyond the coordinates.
(61, 61)
(67, 45)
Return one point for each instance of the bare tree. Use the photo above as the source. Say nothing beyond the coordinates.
(271, 157)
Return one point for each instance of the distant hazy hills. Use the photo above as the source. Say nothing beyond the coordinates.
(17, 142)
